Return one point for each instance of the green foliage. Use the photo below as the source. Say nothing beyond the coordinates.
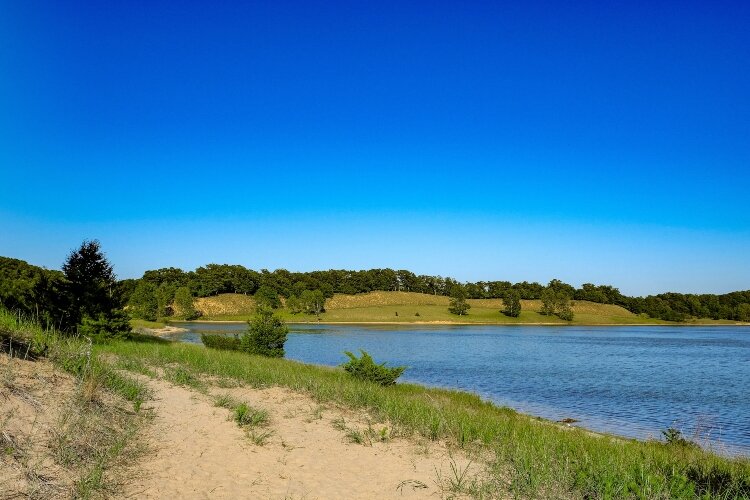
(267, 297)
(143, 303)
(743, 313)
(313, 301)
(458, 304)
(35, 292)
(294, 304)
(556, 301)
(221, 342)
(91, 282)
(115, 324)
(21, 337)
(183, 300)
(266, 334)
(512, 303)
(246, 415)
(214, 279)
(164, 298)
(364, 368)
(674, 437)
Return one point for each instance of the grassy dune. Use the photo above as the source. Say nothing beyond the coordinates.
(520, 456)
(69, 424)
(408, 307)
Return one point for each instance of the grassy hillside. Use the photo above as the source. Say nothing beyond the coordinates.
(408, 307)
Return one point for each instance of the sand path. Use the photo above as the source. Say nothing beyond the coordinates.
(198, 452)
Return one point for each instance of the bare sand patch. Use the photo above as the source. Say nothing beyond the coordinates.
(199, 452)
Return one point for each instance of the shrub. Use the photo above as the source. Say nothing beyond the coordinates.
(674, 436)
(221, 342)
(266, 334)
(364, 368)
(116, 324)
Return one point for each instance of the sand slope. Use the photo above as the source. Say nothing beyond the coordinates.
(199, 453)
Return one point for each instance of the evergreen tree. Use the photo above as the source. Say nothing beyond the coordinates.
(91, 285)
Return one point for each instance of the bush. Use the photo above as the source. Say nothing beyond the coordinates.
(116, 324)
(221, 342)
(674, 437)
(364, 368)
(266, 334)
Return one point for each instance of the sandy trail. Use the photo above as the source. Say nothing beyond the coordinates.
(199, 453)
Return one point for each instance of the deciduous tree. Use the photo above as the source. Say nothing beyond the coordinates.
(458, 304)
(512, 303)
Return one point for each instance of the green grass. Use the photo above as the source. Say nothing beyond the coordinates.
(531, 457)
(406, 307)
(142, 323)
(94, 433)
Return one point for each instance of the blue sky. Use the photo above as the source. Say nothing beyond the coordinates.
(601, 142)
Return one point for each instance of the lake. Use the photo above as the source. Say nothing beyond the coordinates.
(632, 381)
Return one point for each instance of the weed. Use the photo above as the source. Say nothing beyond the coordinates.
(673, 436)
(384, 434)
(457, 481)
(246, 415)
(339, 424)
(354, 436)
(226, 401)
(180, 376)
(259, 437)
(412, 483)
(316, 413)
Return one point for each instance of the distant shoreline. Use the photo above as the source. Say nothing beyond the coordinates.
(460, 323)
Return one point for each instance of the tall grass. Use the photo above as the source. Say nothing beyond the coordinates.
(530, 456)
(93, 433)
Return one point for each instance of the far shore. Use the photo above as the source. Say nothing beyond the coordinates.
(458, 323)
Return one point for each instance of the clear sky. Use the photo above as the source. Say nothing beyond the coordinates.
(604, 142)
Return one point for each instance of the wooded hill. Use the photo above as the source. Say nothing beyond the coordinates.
(35, 290)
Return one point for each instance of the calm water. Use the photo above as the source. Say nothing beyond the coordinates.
(632, 381)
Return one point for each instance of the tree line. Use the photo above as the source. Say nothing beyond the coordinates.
(25, 287)
(83, 297)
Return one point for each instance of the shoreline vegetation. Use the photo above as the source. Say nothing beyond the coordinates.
(511, 453)
(410, 308)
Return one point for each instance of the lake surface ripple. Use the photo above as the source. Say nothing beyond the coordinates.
(631, 381)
